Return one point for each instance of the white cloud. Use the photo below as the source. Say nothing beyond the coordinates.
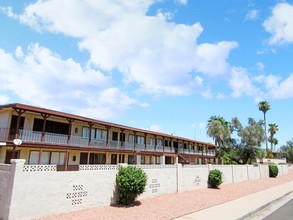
(18, 53)
(156, 128)
(251, 15)
(280, 24)
(42, 78)
(211, 58)
(4, 99)
(182, 2)
(202, 125)
(277, 88)
(220, 96)
(241, 84)
(260, 66)
(151, 51)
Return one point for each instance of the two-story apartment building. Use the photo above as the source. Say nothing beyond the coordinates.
(53, 137)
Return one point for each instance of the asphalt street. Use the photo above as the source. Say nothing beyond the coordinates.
(285, 212)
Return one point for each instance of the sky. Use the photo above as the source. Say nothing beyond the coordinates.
(161, 65)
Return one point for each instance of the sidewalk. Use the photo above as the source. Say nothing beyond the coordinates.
(243, 207)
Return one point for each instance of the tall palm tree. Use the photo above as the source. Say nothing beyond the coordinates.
(273, 128)
(264, 106)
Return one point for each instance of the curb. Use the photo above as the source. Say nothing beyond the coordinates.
(264, 206)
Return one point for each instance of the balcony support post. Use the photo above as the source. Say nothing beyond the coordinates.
(156, 142)
(90, 133)
(107, 136)
(145, 141)
(88, 157)
(19, 113)
(66, 159)
(135, 139)
(40, 156)
(122, 139)
(45, 116)
(70, 120)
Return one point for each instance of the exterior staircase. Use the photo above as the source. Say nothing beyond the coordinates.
(183, 159)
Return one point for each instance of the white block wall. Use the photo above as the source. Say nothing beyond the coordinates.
(161, 180)
(227, 172)
(4, 181)
(253, 172)
(240, 173)
(28, 191)
(194, 177)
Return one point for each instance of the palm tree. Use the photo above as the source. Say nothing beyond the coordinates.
(273, 128)
(264, 106)
(218, 128)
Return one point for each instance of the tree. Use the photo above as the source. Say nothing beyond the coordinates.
(287, 150)
(218, 128)
(264, 106)
(273, 128)
(240, 151)
(251, 138)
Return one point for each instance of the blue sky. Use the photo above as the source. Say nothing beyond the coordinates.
(165, 65)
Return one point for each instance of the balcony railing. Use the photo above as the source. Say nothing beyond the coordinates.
(74, 140)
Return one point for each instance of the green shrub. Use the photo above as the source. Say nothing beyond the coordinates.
(131, 183)
(274, 170)
(215, 178)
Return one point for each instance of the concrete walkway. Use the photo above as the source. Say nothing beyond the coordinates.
(243, 207)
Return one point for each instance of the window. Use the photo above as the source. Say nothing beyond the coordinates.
(51, 126)
(58, 158)
(97, 158)
(96, 133)
(140, 140)
(158, 160)
(54, 158)
(131, 138)
(45, 157)
(34, 157)
(159, 142)
(131, 159)
(142, 160)
(85, 132)
(152, 141)
(101, 134)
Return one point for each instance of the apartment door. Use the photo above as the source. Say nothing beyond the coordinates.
(8, 156)
(115, 136)
(13, 124)
(83, 158)
(113, 158)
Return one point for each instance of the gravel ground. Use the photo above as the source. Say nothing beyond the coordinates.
(177, 204)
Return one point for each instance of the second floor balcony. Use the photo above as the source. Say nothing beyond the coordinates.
(28, 136)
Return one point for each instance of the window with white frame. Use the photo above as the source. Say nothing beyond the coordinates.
(85, 132)
(158, 161)
(48, 157)
(101, 134)
(96, 133)
(142, 160)
(152, 141)
(159, 142)
(140, 140)
(34, 157)
(57, 158)
(131, 138)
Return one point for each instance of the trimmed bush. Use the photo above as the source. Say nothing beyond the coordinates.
(131, 183)
(215, 178)
(274, 170)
